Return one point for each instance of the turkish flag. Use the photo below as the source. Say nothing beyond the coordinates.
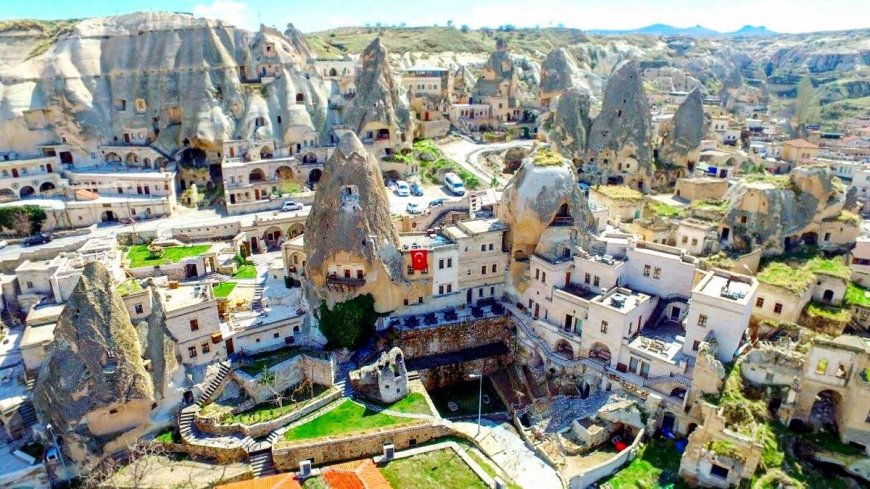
(420, 259)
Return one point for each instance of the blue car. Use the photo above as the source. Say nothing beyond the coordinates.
(416, 189)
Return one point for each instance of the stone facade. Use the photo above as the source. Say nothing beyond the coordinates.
(385, 381)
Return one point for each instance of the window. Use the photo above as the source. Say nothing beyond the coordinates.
(194, 325)
(410, 270)
(191, 352)
(685, 239)
(139, 309)
(657, 273)
(759, 302)
(491, 247)
(646, 269)
(537, 274)
(777, 308)
(275, 335)
(491, 291)
(205, 348)
(702, 321)
(449, 262)
(405, 302)
(480, 292)
(632, 365)
(695, 345)
(483, 270)
(449, 288)
(604, 327)
(768, 377)
(440, 290)
(494, 267)
(596, 281)
(587, 278)
(29, 284)
(543, 277)
(483, 247)
(440, 264)
(694, 241)
(822, 367)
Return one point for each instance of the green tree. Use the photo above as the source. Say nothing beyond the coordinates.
(806, 105)
(349, 323)
(464, 28)
(15, 217)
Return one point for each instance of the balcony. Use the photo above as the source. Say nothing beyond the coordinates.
(352, 282)
(562, 221)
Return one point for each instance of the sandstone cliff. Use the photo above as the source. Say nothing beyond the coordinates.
(619, 142)
(571, 124)
(546, 211)
(93, 387)
(559, 72)
(681, 145)
(169, 77)
(380, 99)
(350, 228)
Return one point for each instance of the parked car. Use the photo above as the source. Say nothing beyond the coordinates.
(403, 189)
(454, 184)
(391, 184)
(3, 244)
(414, 208)
(416, 189)
(291, 206)
(37, 239)
(436, 203)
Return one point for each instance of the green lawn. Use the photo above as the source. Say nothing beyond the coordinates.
(657, 465)
(350, 417)
(140, 256)
(441, 469)
(778, 274)
(857, 295)
(664, 210)
(246, 271)
(129, 287)
(267, 411)
(413, 403)
(831, 313)
(271, 358)
(465, 395)
(224, 290)
(830, 266)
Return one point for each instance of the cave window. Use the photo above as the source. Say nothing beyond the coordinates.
(279, 119)
(259, 122)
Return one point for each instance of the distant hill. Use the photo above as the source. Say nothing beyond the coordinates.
(696, 31)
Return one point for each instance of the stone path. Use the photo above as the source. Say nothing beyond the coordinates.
(508, 450)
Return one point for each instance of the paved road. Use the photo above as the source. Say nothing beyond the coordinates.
(467, 154)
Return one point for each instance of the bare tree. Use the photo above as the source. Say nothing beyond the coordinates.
(139, 462)
(270, 381)
(21, 223)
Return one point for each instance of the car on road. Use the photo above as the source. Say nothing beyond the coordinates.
(416, 189)
(3, 244)
(37, 239)
(414, 208)
(403, 189)
(291, 206)
(436, 203)
(454, 184)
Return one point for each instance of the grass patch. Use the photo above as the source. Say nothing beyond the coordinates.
(487, 467)
(270, 358)
(246, 271)
(129, 287)
(664, 210)
(719, 260)
(314, 483)
(830, 313)
(224, 290)
(833, 267)
(465, 395)
(779, 181)
(848, 217)
(432, 470)
(720, 206)
(267, 411)
(778, 274)
(413, 403)
(168, 436)
(346, 418)
(547, 157)
(657, 465)
(433, 164)
(139, 255)
(619, 192)
(857, 295)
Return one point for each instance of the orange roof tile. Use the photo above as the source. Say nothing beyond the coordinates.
(280, 481)
(801, 143)
(85, 194)
(358, 474)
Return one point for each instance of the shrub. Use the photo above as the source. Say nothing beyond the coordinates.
(348, 323)
(12, 216)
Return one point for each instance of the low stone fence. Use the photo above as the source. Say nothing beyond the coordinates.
(287, 454)
(288, 373)
(592, 474)
(257, 430)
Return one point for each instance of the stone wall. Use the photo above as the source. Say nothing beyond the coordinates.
(589, 476)
(449, 338)
(287, 455)
(287, 374)
(455, 373)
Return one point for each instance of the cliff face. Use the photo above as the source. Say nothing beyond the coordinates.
(619, 142)
(158, 346)
(766, 211)
(350, 228)
(681, 145)
(380, 99)
(545, 210)
(93, 387)
(571, 124)
(168, 77)
(560, 72)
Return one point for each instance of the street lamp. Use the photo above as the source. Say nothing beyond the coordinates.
(479, 398)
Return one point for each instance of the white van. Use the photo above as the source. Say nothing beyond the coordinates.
(454, 184)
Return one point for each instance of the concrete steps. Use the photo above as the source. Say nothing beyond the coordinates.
(185, 422)
(215, 383)
(262, 464)
(28, 414)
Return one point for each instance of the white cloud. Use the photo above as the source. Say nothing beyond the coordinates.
(230, 11)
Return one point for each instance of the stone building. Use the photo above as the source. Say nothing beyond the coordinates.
(385, 381)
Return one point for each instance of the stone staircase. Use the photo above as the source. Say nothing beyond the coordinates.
(216, 278)
(28, 414)
(257, 302)
(262, 464)
(215, 383)
(185, 422)
(663, 303)
(668, 379)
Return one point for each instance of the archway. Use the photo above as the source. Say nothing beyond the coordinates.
(283, 173)
(825, 413)
(295, 229)
(266, 153)
(272, 237)
(300, 98)
(678, 392)
(131, 158)
(828, 296)
(146, 162)
(564, 350)
(315, 175)
(601, 352)
(26, 191)
(112, 157)
(7, 194)
(256, 176)
(309, 158)
(46, 186)
(333, 72)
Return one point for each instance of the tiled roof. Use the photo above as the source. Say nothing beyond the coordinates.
(801, 143)
(280, 481)
(359, 474)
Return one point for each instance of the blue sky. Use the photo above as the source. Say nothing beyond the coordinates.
(312, 15)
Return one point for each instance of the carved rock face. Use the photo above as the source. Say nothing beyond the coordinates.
(687, 129)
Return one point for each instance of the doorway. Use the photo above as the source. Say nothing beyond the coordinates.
(230, 347)
(468, 296)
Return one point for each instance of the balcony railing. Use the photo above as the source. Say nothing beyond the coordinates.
(345, 281)
(562, 221)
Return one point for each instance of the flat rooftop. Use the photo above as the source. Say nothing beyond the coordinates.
(474, 227)
(35, 335)
(621, 299)
(183, 296)
(422, 240)
(664, 342)
(734, 288)
(44, 314)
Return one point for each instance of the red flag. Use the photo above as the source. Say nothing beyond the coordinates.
(420, 259)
